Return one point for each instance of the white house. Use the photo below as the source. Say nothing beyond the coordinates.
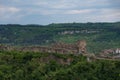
(117, 51)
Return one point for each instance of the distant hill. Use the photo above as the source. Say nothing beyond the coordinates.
(99, 36)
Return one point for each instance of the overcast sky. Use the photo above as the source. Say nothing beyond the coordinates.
(58, 11)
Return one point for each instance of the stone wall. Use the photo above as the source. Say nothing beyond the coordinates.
(77, 48)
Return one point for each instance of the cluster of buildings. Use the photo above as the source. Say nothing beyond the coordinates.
(111, 53)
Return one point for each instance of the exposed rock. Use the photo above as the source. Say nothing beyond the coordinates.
(57, 59)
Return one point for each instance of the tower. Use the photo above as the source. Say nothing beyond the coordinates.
(81, 45)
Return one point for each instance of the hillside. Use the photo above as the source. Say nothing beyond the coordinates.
(52, 66)
(99, 36)
(37, 52)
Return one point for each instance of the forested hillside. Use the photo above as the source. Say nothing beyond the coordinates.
(20, 65)
(52, 66)
(99, 36)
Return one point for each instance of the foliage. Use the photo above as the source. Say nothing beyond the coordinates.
(28, 66)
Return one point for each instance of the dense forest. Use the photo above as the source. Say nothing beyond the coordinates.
(99, 36)
(52, 66)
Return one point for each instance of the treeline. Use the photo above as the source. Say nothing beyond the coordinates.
(40, 66)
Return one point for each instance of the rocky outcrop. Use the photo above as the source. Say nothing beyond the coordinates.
(51, 57)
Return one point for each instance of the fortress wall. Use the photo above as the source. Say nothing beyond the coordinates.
(63, 48)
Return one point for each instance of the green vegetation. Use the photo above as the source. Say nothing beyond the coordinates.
(99, 36)
(29, 66)
(16, 65)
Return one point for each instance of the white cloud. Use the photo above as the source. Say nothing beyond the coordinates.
(7, 13)
(60, 12)
(110, 14)
(79, 11)
(103, 15)
(55, 4)
(5, 9)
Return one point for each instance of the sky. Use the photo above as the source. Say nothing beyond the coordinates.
(58, 11)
